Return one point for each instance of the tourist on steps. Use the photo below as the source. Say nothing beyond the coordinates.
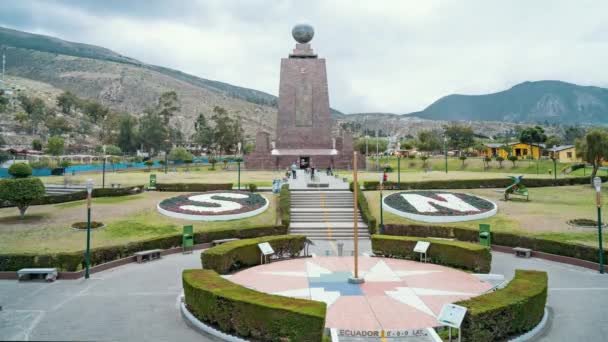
(293, 170)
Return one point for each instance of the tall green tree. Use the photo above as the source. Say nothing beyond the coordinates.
(35, 109)
(203, 133)
(95, 110)
(55, 146)
(58, 125)
(593, 148)
(532, 135)
(459, 136)
(572, 134)
(168, 105)
(428, 140)
(67, 102)
(152, 131)
(180, 154)
(223, 131)
(127, 136)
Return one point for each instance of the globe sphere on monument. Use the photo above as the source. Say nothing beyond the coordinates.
(303, 33)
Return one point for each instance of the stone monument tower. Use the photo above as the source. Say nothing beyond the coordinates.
(303, 120)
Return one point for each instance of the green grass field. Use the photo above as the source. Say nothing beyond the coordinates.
(46, 228)
(545, 215)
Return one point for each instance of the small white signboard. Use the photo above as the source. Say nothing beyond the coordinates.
(265, 248)
(422, 246)
(452, 315)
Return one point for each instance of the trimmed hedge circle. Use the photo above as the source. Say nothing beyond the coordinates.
(427, 206)
(464, 255)
(83, 225)
(510, 311)
(234, 255)
(249, 313)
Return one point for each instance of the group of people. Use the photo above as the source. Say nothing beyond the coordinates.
(309, 171)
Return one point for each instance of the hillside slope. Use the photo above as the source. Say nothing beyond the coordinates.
(542, 101)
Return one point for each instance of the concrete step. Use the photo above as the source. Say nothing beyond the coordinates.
(334, 225)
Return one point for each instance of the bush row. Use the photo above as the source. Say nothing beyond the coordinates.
(193, 187)
(81, 195)
(513, 310)
(465, 255)
(366, 214)
(231, 256)
(583, 252)
(477, 183)
(249, 313)
(75, 260)
(285, 205)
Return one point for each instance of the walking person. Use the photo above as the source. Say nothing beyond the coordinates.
(294, 168)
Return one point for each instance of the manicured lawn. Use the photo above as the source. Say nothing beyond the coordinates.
(47, 227)
(545, 215)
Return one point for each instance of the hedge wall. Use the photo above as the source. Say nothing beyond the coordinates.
(366, 214)
(74, 261)
(81, 195)
(465, 255)
(513, 310)
(583, 252)
(249, 313)
(478, 183)
(192, 187)
(234, 255)
(285, 205)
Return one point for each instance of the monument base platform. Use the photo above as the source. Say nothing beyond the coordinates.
(266, 161)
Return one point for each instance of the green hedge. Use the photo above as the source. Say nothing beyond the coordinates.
(366, 214)
(251, 314)
(234, 255)
(513, 310)
(477, 183)
(465, 255)
(193, 187)
(285, 205)
(74, 261)
(582, 252)
(82, 195)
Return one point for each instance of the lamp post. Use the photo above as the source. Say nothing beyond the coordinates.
(554, 164)
(103, 174)
(90, 185)
(445, 152)
(167, 141)
(597, 183)
(238, 164)
(381, 226)
(399, 171)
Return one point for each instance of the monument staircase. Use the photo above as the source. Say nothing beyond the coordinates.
(324, 213)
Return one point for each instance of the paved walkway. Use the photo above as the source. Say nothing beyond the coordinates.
(303, 180)
(138, 302)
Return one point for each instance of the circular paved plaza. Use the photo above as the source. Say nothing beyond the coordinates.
(397, 294)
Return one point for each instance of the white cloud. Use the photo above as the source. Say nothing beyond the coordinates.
(382, 56)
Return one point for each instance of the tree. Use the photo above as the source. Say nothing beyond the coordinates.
(168, 105)
(21, 192)
(203, 134)
(35, 109)
(428, 141)
(127, 137)
(152, 131)
(593, 148)
(55, 146)
(212, 161)
(113, 150)
(553, 140)
(4, 156)
(2, 141)
(371, 143)
(572, 134)
(463, 158)
(180, 154)
(486, 162)
(58, 125)
(22, 118)
(460, 137)
(95, 110)
(532, 135)
(513, 159)
(223, 131)
(149, 164)
(36, 145)
(67, 102)
(500, 159)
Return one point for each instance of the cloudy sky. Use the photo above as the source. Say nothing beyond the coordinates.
(382, 56)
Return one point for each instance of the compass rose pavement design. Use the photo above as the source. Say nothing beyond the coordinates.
(397, 294)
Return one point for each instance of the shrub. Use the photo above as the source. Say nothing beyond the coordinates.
(513, 310)
(465, 255)
(500, 159)
(212, 161)
(477, 183)
(20, 170)
(74, 261)
(193, 187)
(285, 205)
(231, 256)
(180, 154)
(366, 214)
(21, 192)
(512, 159)
(499, 238)
(149, 163)
(249, 313)
(83, 225)
(80, 195)
(252, 187)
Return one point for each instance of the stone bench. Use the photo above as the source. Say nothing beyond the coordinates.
(522, 252)
(49, 274)
(221, 241)
(148, 255)
(116, 185)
